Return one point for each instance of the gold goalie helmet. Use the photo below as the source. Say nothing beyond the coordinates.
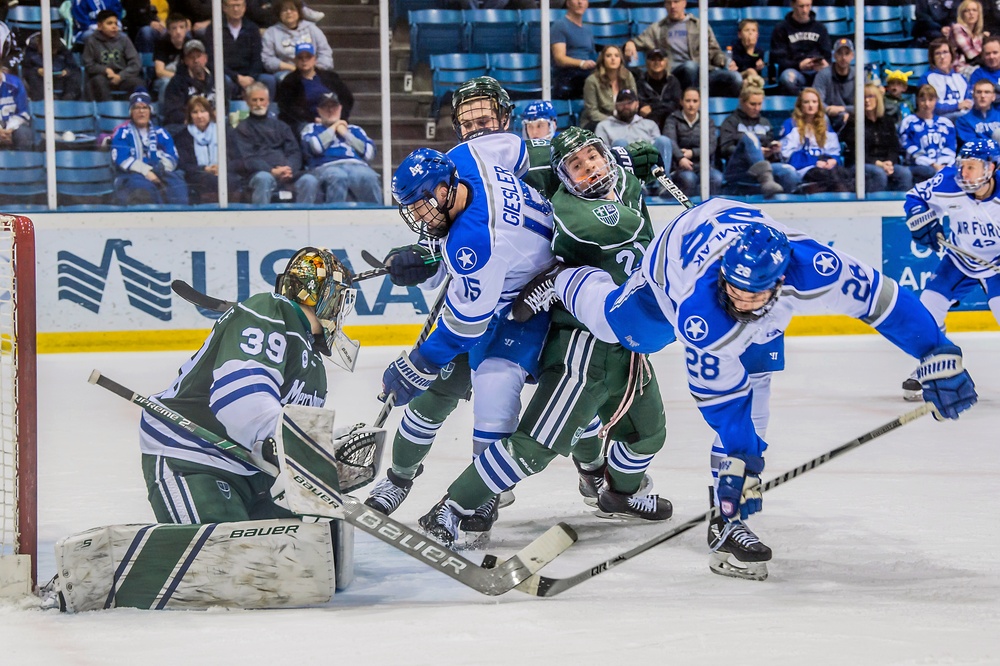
(316, 278)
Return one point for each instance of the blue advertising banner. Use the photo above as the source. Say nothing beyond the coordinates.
(913, 266)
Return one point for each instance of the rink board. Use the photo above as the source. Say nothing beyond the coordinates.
(103, 279)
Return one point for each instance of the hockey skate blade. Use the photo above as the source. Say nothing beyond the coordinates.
(719, 563)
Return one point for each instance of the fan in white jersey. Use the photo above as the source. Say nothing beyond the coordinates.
(966, 193)
(726, 276)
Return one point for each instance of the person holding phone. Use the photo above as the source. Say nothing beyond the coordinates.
(800, 45)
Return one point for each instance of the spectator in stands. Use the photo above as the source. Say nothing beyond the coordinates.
(143, 23)
(191, 80)
(85, 16)
(339, 155)
(683, 128)
(836, 84)
(933, 19)
(572, 45)
(967, 35)
(271, 153)
(147, 158)
(746, 55)
(659, 91)
(241, 48)
(281, 39)
(951, 86)
(301, 89)
(66, 79)
(602, 87)
(809, 145)
(15, 118)
(626, 126)
(751, 153)
(168, 52)
(928, 139)
(898, 104)
(800, 46)
(266, 13)
(677, 36)
(990, 67)
(982, 121)
(884, 169)
(110, 59)
(198, 154)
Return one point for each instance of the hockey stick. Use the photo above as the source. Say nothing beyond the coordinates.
(491, 582)
(968, 255)
(543, 586)
(671, 187)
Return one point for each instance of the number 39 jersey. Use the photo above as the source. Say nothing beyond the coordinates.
(678, 288)
(493, 248)
(258, 357)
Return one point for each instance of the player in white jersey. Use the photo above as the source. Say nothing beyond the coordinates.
(967, 194)
(495, 234)
(726, 276)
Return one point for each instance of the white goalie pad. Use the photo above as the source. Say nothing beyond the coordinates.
(251, 564)
(318, 464)
(15, 576)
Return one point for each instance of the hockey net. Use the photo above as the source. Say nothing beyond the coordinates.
(18, 511)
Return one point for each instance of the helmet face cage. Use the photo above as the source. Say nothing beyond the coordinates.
(413, 186)
(600, 180)
(539, 111)
(755, 262)
(983, 150)
(480, 106)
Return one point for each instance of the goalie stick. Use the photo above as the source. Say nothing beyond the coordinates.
(491, 582)
(543, 586)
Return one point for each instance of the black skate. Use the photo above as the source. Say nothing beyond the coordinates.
(736, 551)
(476, 528)
(912, 390)
(390, 492)
(592, 481)
(441, 522)
(536, 296)
(611, 504)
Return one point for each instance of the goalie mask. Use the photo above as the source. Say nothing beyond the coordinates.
(480, 106)
(584, 164)
(316, 278)
(414, 186)
(976, 164)
(753, 269)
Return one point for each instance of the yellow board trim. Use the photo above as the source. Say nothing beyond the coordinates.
(402, 335)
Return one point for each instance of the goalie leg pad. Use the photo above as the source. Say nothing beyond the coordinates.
(250, 564)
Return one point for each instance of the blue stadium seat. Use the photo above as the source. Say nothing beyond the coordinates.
(884, 27)
(76, 117)
(519, 73)
(531, 28)
(767, 18)
(720, 108)
(724, 22)
(450, 70)
(610, 26)
(492, 30)
(910, 59)
(777, 109)
(28, 19)
(576, 108)
(111, 114)
(84, 175)
(643, 17)
(836, 20)
(400, 9)
(639, 4)
(22, 176)
(434, 31)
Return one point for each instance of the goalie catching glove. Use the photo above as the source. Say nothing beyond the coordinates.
(739, 486)
(946, 383)
(925, 226)
(408, 376)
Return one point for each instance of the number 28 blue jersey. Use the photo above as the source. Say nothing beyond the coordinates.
(677, 289)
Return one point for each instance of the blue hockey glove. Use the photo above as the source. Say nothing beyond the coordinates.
(946, 383)
(739, 486)
(925, 227)
(407, 377)
(410, 265)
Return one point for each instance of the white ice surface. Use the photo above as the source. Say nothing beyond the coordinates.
(885, 556)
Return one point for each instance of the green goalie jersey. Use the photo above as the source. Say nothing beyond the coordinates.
(258, 357)
(610, 234)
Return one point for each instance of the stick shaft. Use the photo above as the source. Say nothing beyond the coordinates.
(968, 255)
(671, 187)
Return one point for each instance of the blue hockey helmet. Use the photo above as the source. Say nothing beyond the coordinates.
(540, 110)
(414, 184)
(985, 150)
(755, 262)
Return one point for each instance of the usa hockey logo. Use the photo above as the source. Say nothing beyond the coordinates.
(695, 328)
(826, 263)
(607, 214)
(83, 282)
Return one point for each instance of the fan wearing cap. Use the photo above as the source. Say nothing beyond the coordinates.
(192, 80)
(110, 60)
(299, 92)
(659, 91)
(147, 159)
(338, 155)
(627, 126)
(836, 84)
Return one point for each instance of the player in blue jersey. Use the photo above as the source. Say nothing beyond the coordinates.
(966, 193)
(494, 233)
(726, 276)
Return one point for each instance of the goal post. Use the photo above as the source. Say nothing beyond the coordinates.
(18, 415)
